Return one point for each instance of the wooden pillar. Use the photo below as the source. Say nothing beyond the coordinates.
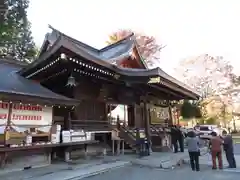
(125, 116)
(118, 122)
(142, 110)
(130, 115)
(134, 115)
(106, 112)
(146, 120)
(170, 121)
(67, 119)
(110, 115)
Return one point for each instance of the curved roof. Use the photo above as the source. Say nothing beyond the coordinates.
(14, 84)
(101, 57)
(110, 53)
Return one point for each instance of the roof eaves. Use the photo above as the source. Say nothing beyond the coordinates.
(44, 56)
(166, 76)
(62, 100)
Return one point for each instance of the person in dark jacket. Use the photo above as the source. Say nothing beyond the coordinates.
(180, 139)
(174, 134)
(228, 148)
(194, 151)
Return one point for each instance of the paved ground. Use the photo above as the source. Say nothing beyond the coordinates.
(143, 173)
(127, 168)
(136, 172)
(237, 149)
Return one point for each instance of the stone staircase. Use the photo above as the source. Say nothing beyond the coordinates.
(128, 136)
(158, 137)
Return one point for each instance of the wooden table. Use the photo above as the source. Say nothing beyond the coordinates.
(67, 149)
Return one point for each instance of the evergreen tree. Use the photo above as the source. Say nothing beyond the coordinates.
(190, 110)
(16, 40)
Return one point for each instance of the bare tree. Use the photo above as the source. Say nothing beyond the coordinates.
(148, 47)
(207, 74)
(212, 78)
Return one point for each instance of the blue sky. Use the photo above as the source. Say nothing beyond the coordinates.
(187, 28)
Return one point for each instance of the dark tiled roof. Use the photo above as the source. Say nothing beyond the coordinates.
(106, 56)
(153, 73)
(12, 83)
(110, 53)
(102, 57)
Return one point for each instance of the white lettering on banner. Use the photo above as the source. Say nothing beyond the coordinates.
(3, 113)
(31, 115)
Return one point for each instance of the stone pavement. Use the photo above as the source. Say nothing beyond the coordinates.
(206, 160)
(65, 171)
(81, 173)
(145, 173)
(85, 168)
(164, 160)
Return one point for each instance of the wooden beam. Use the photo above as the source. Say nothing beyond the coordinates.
(168, 92)
(179, 89)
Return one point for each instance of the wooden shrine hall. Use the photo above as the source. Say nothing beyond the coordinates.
(115, 74)
(92, 80)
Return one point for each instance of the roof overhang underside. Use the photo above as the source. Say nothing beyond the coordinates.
(14, 87)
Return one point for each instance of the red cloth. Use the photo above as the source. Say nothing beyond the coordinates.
(217, 155)
(216, 143)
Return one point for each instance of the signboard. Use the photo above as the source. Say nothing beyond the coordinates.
(3, 113)
(158, 115)
(31, 115)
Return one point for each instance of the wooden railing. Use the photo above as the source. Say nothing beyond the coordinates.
(126, 134)
(84, 124)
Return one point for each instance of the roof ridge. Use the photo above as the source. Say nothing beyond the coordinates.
(140, 56)
(75, 40)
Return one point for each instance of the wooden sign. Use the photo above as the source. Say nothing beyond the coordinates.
(158, 115)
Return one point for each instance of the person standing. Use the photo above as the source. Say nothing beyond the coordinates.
(193, 143)
(228, 148)
(174, 139)
(215, 146)
(180, 139)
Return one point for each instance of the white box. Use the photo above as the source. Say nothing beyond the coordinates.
(66, 133)
(55, 138)
(90, 136)
(29, 140)
(58, 127)
(66, 139)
